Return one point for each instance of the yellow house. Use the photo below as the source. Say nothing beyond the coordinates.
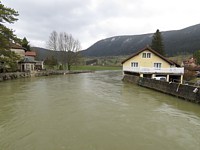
(149, 63)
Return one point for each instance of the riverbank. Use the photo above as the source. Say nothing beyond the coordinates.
(18, 75)
(96, 68)
(186, 92)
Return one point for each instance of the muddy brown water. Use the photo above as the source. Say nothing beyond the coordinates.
(93, 111)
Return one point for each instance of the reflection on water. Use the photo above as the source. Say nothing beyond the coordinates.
(93, 111)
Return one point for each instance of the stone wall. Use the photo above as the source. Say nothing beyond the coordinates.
(131, 79)
(58, 72)
(15, 75)
(186, 92)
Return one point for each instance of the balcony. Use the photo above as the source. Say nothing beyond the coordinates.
(146, 70)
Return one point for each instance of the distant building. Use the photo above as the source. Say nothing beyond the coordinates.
(191, 62)
(149, 63)
(92, 62)
(30, 54)
(18, 49)
(29, 63)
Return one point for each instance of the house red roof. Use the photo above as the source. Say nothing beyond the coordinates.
(153, 51)
(30, 53)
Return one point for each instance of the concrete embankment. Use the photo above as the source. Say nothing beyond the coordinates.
(17, 75)
(186, 92)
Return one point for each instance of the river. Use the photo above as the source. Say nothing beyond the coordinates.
(93, 111)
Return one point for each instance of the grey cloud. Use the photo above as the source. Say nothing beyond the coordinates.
(90, 20)
(38, 18)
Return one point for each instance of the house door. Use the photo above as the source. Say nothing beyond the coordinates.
(22, 69)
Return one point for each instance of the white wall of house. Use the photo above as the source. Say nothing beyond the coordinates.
(20, 52)
(27, 67)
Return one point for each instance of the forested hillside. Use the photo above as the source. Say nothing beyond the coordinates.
(176, 42)
(184, 41)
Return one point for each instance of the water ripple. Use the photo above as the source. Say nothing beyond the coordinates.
(168, 109)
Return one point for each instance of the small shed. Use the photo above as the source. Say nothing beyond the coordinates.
(27, 64)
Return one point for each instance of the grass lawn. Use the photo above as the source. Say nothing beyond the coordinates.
(96, 68)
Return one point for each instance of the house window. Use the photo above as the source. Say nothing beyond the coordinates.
(32, 67)
(143, 55)
(157, 65)
(134, 64)
(146, 55)
(27, 67)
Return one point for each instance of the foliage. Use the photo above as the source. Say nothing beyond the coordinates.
(196, 55)
(8, 60)
(51, 62)
(7, 15)
(189, 75)
(157, 43)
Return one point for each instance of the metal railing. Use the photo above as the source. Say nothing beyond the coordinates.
(154, 70)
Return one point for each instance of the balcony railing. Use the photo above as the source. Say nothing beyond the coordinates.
(154, 70)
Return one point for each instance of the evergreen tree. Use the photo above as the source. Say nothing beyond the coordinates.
(196, 55)
(157, 43)
(7, 15)
(25, 44)
(8, 59)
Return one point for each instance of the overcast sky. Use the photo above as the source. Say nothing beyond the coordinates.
(93, 20)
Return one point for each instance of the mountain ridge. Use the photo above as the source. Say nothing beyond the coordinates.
(183, 41)
(176, 42)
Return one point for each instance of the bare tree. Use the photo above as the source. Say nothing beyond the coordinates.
(52, 43)
(68, 47)
(77, 56)
(62, 48)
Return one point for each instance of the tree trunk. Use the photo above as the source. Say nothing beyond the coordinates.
(69, 67)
